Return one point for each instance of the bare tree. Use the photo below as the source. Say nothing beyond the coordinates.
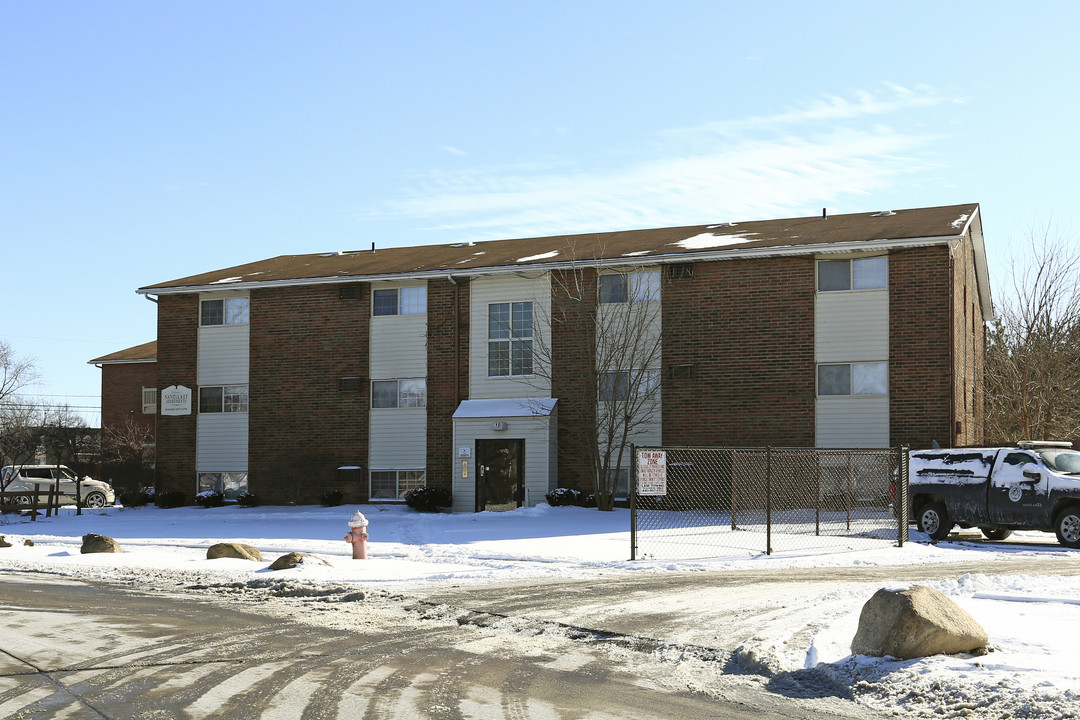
(127, 453)
(15, 372)
(67, 438)
(604, 349)
(1033, 347)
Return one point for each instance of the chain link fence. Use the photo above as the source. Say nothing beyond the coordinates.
(701, 502)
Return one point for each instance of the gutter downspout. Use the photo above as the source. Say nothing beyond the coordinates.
(952, 346)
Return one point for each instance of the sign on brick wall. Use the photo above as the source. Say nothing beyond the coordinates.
(176, 400)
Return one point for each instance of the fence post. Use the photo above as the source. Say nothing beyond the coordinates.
(633, 501)
(900, 500)
(34, 503)
(768, 501)
(734, 495)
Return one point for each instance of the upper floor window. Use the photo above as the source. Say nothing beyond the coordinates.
(623, 385)
(223, 398)
(510, 331)
(411, 393)
(630, 287)
(225, 311)
(855, 274)
(867, 378)
(400, 301)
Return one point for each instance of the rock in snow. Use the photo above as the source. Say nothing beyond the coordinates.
(239, 551)
(92, 543)
(915, 623)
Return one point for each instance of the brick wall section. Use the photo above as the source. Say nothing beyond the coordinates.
(573, 381)
(447, 374)
(920, 376)
(970, 347)
(746, 326)
(121, 393)
(302, 427)
(178, 343)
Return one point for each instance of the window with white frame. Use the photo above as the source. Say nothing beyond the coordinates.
(854, 274)
(623, 385)
(224, 311)
(399, 301)
(223, 399)
(149, 400)
(393, 484)
(229, 484)
(630, 287)
(863, 378)
(510, 345)
(407, 393)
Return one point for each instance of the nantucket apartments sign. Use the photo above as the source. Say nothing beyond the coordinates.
(176, 400)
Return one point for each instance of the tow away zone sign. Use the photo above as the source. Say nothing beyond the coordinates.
(651, 472)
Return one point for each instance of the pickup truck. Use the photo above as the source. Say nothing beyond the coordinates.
(1033, 486)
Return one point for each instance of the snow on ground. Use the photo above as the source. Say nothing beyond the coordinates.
(1033, 620)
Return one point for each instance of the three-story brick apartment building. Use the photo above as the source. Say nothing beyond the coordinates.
(381, 370)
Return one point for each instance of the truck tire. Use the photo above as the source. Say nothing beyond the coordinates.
(933, 519)
(993, 533)
(1067, 526)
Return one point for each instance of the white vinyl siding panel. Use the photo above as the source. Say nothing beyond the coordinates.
(222, 442)
(398, 438)
(851, 326)
(398, 346)
(223, 355)
(487, 290)
(853, 421)
(540, 461)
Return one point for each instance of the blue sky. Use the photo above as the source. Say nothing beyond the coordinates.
(143, 142)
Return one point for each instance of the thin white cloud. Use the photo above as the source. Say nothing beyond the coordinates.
(742, 169)
(453, 150)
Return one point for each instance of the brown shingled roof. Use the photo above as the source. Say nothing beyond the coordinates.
(807, 234)
(147, 352)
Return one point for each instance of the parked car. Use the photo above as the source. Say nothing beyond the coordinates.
(21, 479)
(1033, 486)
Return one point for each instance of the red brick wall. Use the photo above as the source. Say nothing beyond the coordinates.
(747, 327)
(573, 379)
(920, 375)
(447, 373)
(302, 427)
(121, 393)
(178, 327)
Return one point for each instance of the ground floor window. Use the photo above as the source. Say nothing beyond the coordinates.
(230, 484)
(393, 484)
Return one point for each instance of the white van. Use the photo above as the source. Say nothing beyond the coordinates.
(16, 479)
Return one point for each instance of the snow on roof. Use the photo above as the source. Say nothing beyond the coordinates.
(541, 256)
(712, 240)
(505, 407)
(959, 222)
(228, 280)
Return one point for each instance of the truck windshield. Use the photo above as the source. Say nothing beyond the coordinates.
(1065, 461)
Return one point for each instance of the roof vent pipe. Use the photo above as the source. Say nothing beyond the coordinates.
(372, 246)
(824, 214)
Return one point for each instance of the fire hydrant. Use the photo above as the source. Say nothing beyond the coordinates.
(358, 535)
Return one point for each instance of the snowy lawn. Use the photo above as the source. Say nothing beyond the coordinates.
(1033, 620)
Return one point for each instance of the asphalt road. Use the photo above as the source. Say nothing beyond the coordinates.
(71, 649)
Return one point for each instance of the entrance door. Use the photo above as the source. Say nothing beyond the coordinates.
(500, 477)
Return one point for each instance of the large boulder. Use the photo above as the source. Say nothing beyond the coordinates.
(92, 543)
(291, 560)
(3, 542)
(915, 623)
(240, 551)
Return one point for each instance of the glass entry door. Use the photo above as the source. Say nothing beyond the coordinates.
(500, 476)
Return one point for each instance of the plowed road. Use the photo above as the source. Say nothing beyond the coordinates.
(71, 649)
